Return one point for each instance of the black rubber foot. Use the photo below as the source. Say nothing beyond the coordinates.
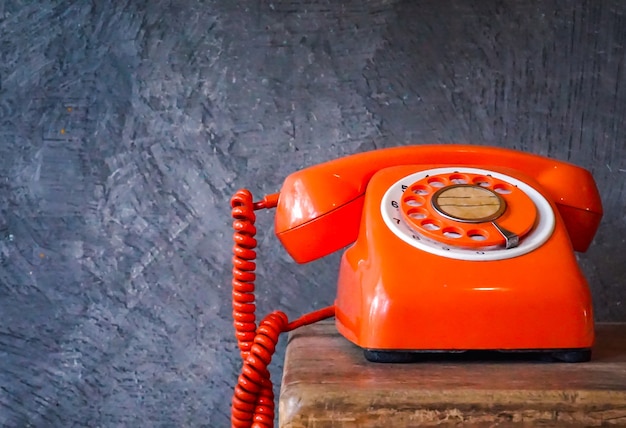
(577, 356)
(403, 357)
(389, 357)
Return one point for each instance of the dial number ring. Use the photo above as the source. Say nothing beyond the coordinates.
(393, 217)
(460, 208)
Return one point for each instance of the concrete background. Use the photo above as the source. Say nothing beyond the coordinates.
(125, 127)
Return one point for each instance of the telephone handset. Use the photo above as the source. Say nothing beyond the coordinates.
(324, 194)
(465, 247)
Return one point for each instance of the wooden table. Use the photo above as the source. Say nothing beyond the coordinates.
(328, 383)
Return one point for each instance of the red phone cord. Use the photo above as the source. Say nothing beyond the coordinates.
(253, 399)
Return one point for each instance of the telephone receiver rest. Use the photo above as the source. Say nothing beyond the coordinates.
(319, 207)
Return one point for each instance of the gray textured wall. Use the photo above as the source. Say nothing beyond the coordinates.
(124, 130)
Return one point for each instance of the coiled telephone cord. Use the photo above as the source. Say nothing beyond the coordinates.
(253, 398)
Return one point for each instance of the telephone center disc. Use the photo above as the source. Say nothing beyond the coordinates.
(468, 203)
(461, 213)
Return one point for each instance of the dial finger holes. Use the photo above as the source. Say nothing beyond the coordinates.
(421, 190)
(431, 224)
(477, 235)
(414, 201)
(417, 213)
(482, 181)
(437, 181)
(459, 179)
(503, 189)
(452, 209)
(452, 232)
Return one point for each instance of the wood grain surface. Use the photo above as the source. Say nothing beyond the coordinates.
(328, 383)
(469, 203)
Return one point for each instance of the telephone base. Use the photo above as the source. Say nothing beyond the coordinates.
(552, 355)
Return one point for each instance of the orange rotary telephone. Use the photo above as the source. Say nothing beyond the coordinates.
(456, 248)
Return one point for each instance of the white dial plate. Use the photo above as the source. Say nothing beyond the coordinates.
(390, 210)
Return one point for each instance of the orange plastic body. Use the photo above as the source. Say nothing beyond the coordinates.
(392, 296)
